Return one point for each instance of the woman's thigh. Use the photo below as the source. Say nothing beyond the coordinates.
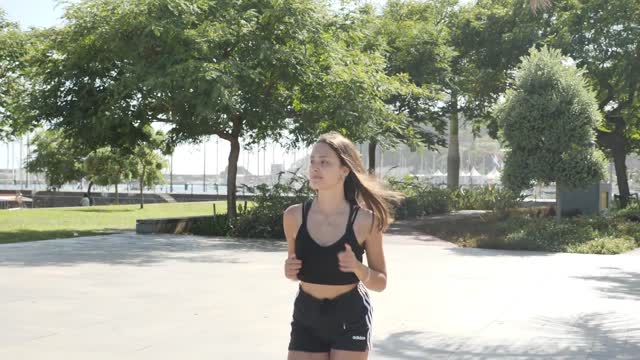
(348, 355)
(301, 355)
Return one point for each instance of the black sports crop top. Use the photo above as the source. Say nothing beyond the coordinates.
(320, 263)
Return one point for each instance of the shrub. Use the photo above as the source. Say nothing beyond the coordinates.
(543, 234)
(631, 212)
(421, 198)
(582, 234)
(489, 197)
(426, 199)
(213, 226)
(264, 220)
(605, 245)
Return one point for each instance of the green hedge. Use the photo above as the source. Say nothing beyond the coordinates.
(631, 212)
(421, 199)
(213, 226)
(582, 234)
(424, 199)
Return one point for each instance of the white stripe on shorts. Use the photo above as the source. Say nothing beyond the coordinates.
(367, 302)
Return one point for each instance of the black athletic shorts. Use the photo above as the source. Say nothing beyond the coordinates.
(342, 323)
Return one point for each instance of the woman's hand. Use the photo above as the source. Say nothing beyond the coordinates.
(292, 267)
(348, 262)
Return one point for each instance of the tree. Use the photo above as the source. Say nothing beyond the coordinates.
(539, 4)
(249, 69)
(57, 158)
(353, 92)
(488, 38)
(63, 160)
(13, 49)
(107, 166)
(149, 162)
(415, 39)
(602, 38)
(547, 123)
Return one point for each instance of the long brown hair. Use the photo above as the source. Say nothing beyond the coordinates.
(359, 186)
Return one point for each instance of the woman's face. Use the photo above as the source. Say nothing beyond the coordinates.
(325, 169)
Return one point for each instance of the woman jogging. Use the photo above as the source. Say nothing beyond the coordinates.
(327, 238)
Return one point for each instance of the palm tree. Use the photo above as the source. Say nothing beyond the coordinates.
(539, 4)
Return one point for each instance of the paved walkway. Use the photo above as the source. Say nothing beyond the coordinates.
(635, 252)
(161, 297)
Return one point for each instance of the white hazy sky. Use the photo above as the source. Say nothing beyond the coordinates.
(188, 159)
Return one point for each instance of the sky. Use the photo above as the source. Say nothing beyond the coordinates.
(36, 13)
(187, 159)
(40, 13)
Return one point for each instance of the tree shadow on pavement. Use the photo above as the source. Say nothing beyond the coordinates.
(134, 249)
(589, 336)
(617, 284)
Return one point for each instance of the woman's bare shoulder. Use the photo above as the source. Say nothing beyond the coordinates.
(293, 215)
(294, 211)
(363, 222)
(364, 218)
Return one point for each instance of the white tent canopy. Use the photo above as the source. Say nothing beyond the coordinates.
(493, 174)
(475, 173)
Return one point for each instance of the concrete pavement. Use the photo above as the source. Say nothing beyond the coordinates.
(129, 296)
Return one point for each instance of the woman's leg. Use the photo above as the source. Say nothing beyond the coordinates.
(301, 355)
(353, 341)
(306, 341)
(348, 355)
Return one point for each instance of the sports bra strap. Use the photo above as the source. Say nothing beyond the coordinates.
(305, 211)
(352, 216)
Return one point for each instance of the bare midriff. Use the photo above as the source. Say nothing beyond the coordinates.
(320, 291)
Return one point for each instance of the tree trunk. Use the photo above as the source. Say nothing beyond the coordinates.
(144, 169)
(615, 142)
(453, 151)
(232, 168)
(558, 203)
(619, 159)
(117, 196)
(372, 156)
(232, 173)
(89, 193)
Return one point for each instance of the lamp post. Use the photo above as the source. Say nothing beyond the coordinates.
(204, 166)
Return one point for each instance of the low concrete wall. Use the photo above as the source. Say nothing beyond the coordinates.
(69, 199)
(197, 197)
(168, 225)
(538, 203)
(50, 199)
(207, 197)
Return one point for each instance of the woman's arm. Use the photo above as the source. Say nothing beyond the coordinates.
(373, 276)
(291, 220)
(290, 223)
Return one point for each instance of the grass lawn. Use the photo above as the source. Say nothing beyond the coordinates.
(53, 223)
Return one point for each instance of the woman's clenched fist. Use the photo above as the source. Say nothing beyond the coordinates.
(291, 267)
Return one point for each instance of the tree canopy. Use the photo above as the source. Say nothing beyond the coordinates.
(236, 69)
(548, 121)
